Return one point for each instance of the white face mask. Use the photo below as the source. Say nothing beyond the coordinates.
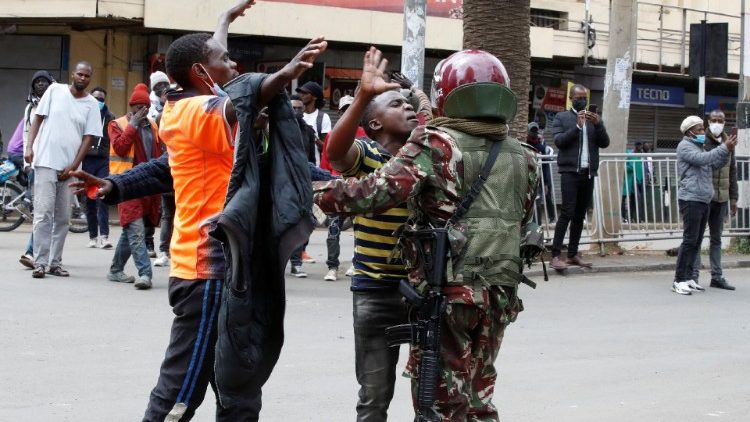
(716, 128)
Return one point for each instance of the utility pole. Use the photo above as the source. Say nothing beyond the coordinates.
(743, 118)
(412, 52)
(616, 107)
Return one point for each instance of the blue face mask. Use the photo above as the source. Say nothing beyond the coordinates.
(700, 138)
(213, 86)
(101, 105)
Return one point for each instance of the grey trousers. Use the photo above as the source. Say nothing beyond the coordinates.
(717, 214)
(52, 200)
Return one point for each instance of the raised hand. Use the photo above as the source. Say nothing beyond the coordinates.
(373, 74)
(305, 58)
(731, 142)
(239, 9)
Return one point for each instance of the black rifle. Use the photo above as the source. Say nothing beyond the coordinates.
(424, 330)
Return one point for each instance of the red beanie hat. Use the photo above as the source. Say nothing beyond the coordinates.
(139, 95)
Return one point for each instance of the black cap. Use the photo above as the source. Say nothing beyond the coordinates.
(313, 88)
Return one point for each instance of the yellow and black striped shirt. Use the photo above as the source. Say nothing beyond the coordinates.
(373, 234)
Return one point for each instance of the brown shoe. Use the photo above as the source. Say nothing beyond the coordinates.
(576, 260)
(558, 264)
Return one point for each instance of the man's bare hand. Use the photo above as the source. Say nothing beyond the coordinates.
(592, 117)
(86, 181)
(733, 209)
(581, 118)
(238, 9)
(731, 142)
(305, 58)
(28, 155)
(373, 74)
(136, 119)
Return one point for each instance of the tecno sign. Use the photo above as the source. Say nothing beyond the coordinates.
(666, 96)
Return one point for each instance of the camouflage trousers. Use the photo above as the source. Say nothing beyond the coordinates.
(471, 334)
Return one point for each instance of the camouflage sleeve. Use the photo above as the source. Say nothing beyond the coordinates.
(402, 177)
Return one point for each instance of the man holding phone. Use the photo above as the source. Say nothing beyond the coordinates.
(578, 136)
(724, 200)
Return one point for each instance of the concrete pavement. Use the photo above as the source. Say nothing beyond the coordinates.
(608, 346)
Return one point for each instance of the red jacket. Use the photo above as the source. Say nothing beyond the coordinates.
(324, 164)
(122, 141)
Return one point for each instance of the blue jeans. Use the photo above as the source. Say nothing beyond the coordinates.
(97, 212)
(132, 241)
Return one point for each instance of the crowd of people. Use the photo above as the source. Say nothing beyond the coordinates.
(200, 137)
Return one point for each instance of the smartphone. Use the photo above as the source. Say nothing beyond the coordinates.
(592, 108)
(734, 131)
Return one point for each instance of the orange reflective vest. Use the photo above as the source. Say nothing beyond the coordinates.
(117, 163)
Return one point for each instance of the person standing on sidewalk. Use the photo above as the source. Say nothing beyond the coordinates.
(65, 121)
(694, 168)
(723, 202)
(96, 162)
(135, 140)
(578, 135)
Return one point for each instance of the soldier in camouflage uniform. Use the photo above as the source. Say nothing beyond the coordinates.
(433, 172)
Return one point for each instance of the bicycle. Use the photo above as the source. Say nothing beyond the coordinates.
(17, 208)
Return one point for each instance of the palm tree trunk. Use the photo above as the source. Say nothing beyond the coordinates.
(501, 27)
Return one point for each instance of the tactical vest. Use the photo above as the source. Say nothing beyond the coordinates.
(493, 222)
(117, 163)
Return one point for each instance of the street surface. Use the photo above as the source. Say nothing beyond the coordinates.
(599, 347)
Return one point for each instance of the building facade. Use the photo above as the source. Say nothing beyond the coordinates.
(125, 40)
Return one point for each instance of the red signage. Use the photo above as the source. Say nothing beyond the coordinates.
(442, 8)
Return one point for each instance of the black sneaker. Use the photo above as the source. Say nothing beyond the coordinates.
(297, 271)
(721, 284)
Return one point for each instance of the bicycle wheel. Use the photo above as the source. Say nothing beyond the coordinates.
(78, 223)
(11, 196)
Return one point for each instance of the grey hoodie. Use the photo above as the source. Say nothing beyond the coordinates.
(695, 168)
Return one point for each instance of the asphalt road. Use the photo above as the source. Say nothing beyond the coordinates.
(599, 347)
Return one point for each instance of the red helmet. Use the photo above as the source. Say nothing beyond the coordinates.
(473, 84)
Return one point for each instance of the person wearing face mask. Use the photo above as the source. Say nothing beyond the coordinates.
(723, 202)
(96, 162)
(694, 167)
(578, 135)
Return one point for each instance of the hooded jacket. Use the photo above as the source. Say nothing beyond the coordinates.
(266, 217)
(725, 178)
(695, 168)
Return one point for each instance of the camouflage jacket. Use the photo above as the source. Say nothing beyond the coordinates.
(427, 174)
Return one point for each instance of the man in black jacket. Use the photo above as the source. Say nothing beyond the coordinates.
(578, 135)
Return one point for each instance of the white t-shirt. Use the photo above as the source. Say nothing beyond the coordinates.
(67, 120)
(312, 120)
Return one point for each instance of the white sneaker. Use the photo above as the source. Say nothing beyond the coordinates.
(681, 288)
(695, 286)
(162, 260)
(104, 242)
(93, 243)
(331, 275)
(143, 283)
(297, 272)
(350, 271)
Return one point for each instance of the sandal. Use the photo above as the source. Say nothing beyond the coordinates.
(58, 271)
(38, 272)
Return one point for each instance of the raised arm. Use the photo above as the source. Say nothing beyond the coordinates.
(341, 151)
(304, 60)
(226, 18)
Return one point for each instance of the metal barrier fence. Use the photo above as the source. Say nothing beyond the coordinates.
(635, 199)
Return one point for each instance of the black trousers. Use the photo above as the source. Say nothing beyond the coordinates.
(694, 219)
(188, 366)
(577, 190)
(375, 363)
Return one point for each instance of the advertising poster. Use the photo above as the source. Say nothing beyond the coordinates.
(439, 8)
